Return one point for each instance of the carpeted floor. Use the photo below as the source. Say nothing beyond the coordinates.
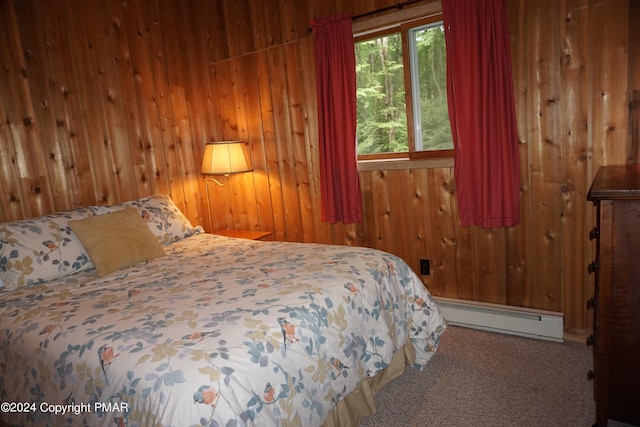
(480, 378)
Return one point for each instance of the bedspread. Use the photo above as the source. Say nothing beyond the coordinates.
(221, 331)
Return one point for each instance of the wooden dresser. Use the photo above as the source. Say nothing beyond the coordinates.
(616, 336)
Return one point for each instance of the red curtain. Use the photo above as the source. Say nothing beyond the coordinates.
(482, 112)
(336, 91)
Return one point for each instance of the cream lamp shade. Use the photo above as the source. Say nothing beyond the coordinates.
(224, 158)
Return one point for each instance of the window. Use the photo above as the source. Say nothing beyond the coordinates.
(402, 92)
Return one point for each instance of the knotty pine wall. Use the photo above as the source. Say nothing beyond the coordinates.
(103, 101)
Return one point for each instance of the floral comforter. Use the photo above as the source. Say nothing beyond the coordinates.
(221, 331)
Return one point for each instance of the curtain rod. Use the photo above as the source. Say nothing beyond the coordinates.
(384, 9)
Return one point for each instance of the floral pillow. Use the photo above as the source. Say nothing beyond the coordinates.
(41, 249)
(162, 216)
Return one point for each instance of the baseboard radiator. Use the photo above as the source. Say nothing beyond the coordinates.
(547, 325)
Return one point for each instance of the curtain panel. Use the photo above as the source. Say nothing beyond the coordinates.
(482, 112)
(336, 92)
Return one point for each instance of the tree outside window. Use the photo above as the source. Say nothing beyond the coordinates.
(401, 93)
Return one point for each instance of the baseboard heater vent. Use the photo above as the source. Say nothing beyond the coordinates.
(548, 325)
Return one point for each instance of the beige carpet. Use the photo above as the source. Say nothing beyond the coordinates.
(480, 378)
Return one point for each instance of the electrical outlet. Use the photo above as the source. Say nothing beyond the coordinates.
(425, 267)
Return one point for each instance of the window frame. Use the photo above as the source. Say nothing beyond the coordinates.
(403, 28)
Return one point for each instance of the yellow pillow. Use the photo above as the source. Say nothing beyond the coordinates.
(117, 240)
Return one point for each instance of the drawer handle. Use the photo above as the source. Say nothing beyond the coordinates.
(594, 233)
(591, 375)
(591, 340)
(592, 303)
(593, 267)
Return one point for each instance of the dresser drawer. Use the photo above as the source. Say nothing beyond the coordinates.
(616, 299)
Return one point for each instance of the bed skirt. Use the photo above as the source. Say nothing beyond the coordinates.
(350, 411)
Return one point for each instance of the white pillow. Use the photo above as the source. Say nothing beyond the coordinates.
(41, 249)
(162, 216)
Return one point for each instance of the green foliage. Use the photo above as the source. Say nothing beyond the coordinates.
(381, 101)
(382, 117)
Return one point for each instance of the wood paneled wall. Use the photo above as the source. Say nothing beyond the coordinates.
(103, 101)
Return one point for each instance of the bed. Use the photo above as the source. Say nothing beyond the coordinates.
(99, 327)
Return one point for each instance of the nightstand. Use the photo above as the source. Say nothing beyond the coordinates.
(244, 234)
